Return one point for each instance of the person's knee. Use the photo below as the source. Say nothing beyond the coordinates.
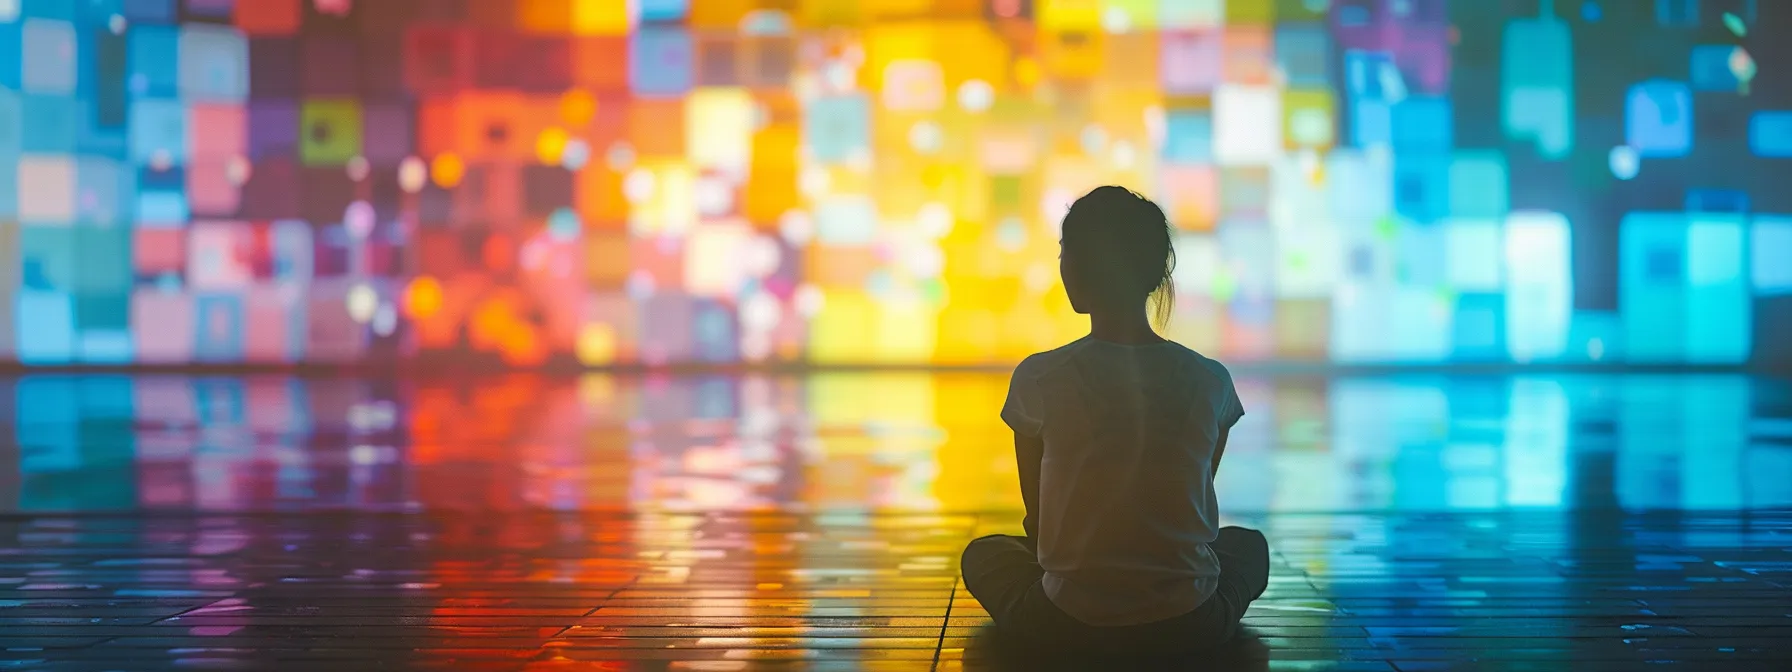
(1246, 537)
(983, 547)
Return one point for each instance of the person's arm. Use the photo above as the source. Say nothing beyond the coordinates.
(1233, 412)
(1028, 452)
(1219, 451)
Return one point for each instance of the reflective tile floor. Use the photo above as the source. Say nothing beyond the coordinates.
(690, 523)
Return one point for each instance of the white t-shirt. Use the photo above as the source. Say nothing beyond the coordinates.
(1126, 503)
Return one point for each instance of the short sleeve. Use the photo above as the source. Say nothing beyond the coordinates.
(1021, 409)
(1235, 406)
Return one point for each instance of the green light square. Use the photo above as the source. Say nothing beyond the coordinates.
(329, 131)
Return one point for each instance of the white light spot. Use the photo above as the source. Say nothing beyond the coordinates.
(362, 302)
(1116, 20)
(620, 156)
(1624, 162)
(364, 455)
(760, 312)
(925, 137)
(237, 170)
(714, 196)
(813, 182)
(575, 154)
(638, 186)
(976, 95)
(357, 168)
(358, 219)
(1094, 139)
(926, 261)
(1123, 154)
(640, 285)
(762, 256)
(1037, 279)
(412, 174)
(1155, 124)
(1011, 234)
(385, 319)
(935, 220)
(797, 227)
(809, 300)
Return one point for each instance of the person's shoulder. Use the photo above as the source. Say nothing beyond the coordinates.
(1203, 364)
(1041, 362)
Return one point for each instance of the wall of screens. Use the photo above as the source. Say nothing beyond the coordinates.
(879, 181)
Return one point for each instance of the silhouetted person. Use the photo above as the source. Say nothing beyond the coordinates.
(1118, 436)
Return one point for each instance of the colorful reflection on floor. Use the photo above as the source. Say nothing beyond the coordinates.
(889, 442)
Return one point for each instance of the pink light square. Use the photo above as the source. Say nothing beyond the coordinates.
(1192, 193)
(1190, 62)
(209, 190)
(267, 334)
(219, 131)
(162, 325)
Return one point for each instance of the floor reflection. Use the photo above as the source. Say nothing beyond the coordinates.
(851, 442)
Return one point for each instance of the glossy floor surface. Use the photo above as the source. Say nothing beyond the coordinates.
(1582, 522)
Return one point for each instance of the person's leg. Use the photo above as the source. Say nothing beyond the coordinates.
(1244, 574)
(1244, 560)
(998, 571)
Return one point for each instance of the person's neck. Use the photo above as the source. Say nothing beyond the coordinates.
(1129, 327)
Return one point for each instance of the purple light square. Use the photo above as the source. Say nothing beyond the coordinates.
(273, 129)
(1424, 58)
(1191, 62)
(386, 132)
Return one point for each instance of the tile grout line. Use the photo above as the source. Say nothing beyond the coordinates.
(945, 622)
(600, 605)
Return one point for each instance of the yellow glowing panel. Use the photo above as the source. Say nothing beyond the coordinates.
(891, 43)
(894, 9)
(905, 333)
(902, 399)
(1307, 119)
(1028, 328)
(597, 344)
(719, 129)
(815, 13)
(842, 331)
(972, 51)
(601, 17)
(1075, 56)
(666, 197)
(1068, 15)
(1130, 15)
(967, 332)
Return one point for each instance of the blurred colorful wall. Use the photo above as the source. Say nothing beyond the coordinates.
(857, 181)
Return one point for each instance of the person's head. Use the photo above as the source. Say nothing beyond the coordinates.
(1115, 254)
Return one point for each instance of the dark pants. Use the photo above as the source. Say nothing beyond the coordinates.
(1003, 573)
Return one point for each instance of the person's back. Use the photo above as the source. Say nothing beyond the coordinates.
(1118, 436)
